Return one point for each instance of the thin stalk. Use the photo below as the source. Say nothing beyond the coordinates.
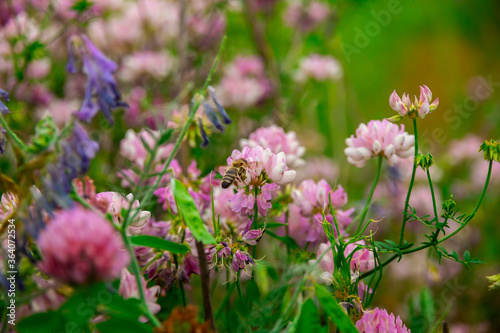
(205, 285)
(225, 301)
(370, 195)
(238, 286)
(412, 180)
(137, 274)
(424, 246)
(13, 135)
(181, 285)
(433, 205)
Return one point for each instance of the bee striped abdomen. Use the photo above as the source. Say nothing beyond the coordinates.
(229, 177)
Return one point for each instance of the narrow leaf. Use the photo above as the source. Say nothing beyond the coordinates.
(190, 213)
(159, 243)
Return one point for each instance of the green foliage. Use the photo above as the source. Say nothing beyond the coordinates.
(159, 243)
(190, 213)
(45, 135)
(309, 318)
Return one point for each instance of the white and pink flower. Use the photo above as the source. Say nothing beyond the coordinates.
(379, 138)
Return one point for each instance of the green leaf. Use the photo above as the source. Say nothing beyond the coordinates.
(130, 308)
(159, 243)
(51, 323)
(123, 325)
(466, 255)
(309, 318)
(334, 310)
(165, 136)
(190, 213)
(427, 306)
(292, 244)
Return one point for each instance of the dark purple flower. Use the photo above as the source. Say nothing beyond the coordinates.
(4, 96)
(100, 81)
(225, 117)
(212, 116)
(203, 134)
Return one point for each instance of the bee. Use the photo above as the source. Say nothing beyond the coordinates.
(235, 172)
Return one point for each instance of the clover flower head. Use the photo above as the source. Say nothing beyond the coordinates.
(80, 247)
(379, 138)
(380, 321)
(275, 138)
(420, 106)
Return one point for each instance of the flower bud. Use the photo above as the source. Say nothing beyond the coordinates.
(491, 150)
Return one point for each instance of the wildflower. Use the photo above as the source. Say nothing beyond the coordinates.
(311, 201)
(379, 138)
(381, 322)
(100, 81)
(265, 172)
(78, 151)
(275, 138)
(495, 281)
(306, 17)
(319, 68)
(113, 203)
(4, 96)
(79, 247)
(421, 106)
(244, 84)
(128, 289)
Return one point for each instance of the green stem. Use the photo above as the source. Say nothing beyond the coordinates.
(13, 135)
(370, 195)
(436, 234)
(424, 246)
(238, 286)
(412, 180)
(181, 285)
(137, 274)
(225, 301)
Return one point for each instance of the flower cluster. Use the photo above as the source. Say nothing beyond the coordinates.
(129, 289)
(311, 207)
(100, 81)
(379, 138)
(380, 321)
(4, 96)
(421, 106)
(86, 249)
(275, 138)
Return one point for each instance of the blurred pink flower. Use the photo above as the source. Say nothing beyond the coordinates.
(319, 68)
(318, 167)
(275, 138)
(128, 289)
(79, 247)
(206, 30)
(146, 63)
(60, 110)
(244, 83)
(379, 138)
(38, 69)
(306, 16)
(379, 321)
(421, 106)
